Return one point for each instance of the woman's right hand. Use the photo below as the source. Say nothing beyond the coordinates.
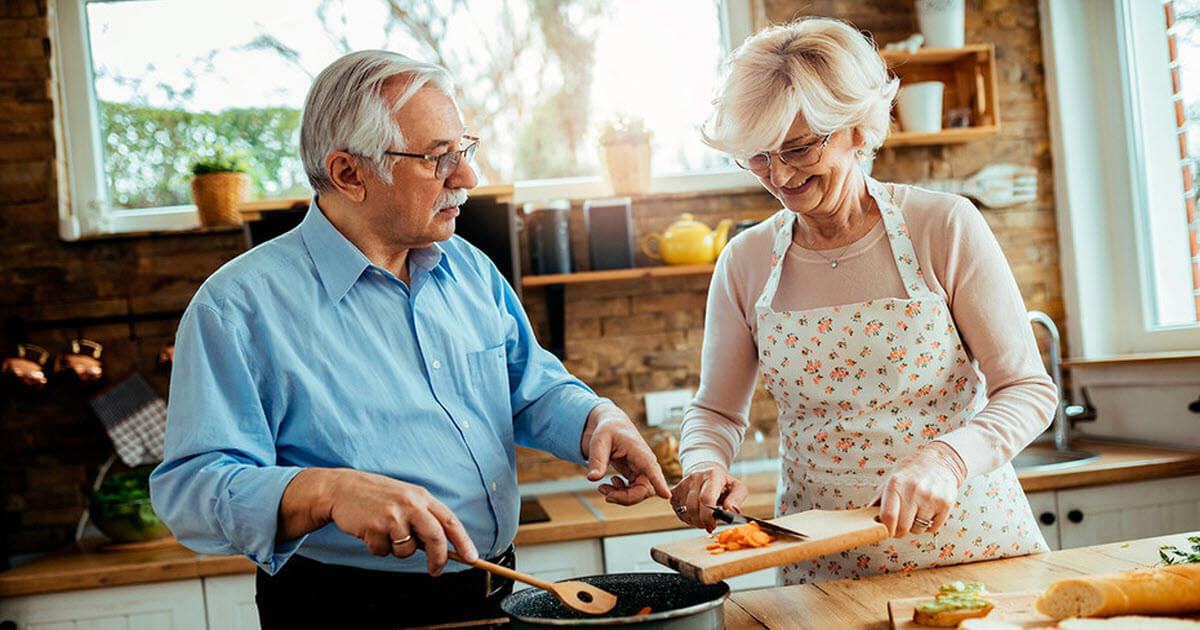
(709, 485)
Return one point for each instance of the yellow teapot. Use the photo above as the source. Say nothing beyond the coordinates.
(687, 242)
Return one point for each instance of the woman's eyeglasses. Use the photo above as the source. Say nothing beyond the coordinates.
(798, 157)
(448, 161)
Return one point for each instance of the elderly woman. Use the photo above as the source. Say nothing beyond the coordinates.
(883, 318)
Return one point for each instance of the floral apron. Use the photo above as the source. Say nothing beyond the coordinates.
(861, 386)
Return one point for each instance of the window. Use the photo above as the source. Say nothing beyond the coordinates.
(1125, 171)
(150, 86)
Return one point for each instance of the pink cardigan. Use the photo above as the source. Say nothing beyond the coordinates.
(962, 262)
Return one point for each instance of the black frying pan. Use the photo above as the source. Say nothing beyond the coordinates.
(675, 602)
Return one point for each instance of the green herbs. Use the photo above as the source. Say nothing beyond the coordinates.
(1172, 555)
(125, 487)
(121, 508)
(221, 161)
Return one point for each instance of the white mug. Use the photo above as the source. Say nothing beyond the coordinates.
(920, 106)
(942, 22)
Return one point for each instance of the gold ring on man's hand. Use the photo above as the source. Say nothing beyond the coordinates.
(401, 541)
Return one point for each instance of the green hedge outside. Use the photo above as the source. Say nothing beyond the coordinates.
(148, 152)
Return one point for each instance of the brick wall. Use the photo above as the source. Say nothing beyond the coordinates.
(50, 444)
(625, 338)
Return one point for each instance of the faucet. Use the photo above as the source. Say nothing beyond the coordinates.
(1062, 438)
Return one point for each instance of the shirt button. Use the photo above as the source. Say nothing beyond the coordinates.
(493, 486)
(466, 424)
(437, 365)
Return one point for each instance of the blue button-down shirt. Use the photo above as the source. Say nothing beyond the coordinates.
(301, 353)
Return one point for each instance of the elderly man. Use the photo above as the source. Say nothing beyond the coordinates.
(351, 391)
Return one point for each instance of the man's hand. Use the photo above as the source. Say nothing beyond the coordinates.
(376, 509)
(918, 494)
(710, 485)
(609, 438)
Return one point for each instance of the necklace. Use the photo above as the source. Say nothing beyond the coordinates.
(833, 262)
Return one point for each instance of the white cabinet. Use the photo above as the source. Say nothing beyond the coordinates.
(631, 553)
(1103, 514)
(560, 560)
(230, 602)
(177, 605)
(1045, 509)
(1078, 517)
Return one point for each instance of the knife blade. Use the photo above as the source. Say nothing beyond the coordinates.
(741, 519)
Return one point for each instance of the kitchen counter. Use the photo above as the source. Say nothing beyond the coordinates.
(573, 515)
(1118, 463)
(862, 603)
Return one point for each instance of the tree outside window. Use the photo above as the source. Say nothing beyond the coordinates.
(180, 79)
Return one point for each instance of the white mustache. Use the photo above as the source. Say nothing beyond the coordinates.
(451, 198)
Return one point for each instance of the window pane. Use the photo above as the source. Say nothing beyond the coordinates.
(1172, 228)
(181, 79)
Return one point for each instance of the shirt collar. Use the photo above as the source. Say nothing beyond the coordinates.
(339, 262)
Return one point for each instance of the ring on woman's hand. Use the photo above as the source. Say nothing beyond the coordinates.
(401, 541)
(922, 522)
(680, 509)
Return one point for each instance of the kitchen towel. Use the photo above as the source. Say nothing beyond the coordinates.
(135, 417)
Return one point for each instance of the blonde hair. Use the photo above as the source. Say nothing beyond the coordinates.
(819, 68)
(346, 110)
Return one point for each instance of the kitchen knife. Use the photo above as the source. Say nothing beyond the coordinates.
(739, 519)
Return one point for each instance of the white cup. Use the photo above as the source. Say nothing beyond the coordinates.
(920, 106)
(942, 22)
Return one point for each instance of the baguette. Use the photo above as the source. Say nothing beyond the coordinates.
(1168, 590)
(1128, 623)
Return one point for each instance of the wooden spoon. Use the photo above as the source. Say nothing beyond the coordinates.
(574, 594)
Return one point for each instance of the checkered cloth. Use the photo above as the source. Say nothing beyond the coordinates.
(135, 417)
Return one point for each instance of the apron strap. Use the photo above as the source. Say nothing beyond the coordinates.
(782, 221)
(898, 237)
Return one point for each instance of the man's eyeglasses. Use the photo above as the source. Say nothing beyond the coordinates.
(448, 161)
(798, 157)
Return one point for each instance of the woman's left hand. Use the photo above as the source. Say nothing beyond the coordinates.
(918, 494)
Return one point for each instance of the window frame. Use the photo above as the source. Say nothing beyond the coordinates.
(84, 209)
(1104, 183)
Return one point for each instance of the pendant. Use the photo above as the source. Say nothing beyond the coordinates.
(833, 264)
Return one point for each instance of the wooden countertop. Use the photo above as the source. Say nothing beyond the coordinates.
(1118, 463)
(572, 515)
(862, 603)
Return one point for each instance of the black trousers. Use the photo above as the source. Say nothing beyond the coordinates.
(310, 594)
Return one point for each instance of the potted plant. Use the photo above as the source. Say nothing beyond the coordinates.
(625, 150)
(219, 186)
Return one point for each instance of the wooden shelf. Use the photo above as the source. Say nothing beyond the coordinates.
(254, 210)
(945, 136)
(611, 275)
(969, 74)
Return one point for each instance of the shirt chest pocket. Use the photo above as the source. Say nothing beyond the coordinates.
(487, 370)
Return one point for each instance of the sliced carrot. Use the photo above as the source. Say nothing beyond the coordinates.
(743, 537)
(645, 611)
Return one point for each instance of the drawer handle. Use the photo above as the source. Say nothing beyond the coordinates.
(1075, 516)
(1047, 518)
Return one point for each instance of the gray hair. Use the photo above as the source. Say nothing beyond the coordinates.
(819, 68)
(346, 110)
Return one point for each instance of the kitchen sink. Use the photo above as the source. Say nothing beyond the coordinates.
(1051, 459)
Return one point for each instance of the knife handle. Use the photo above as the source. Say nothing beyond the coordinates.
(722, 515)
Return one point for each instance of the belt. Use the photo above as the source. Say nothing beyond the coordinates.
(301, 592)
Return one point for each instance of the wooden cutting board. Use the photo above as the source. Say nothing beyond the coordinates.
(1015, 608)
(828, 532)
(1018, 609)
